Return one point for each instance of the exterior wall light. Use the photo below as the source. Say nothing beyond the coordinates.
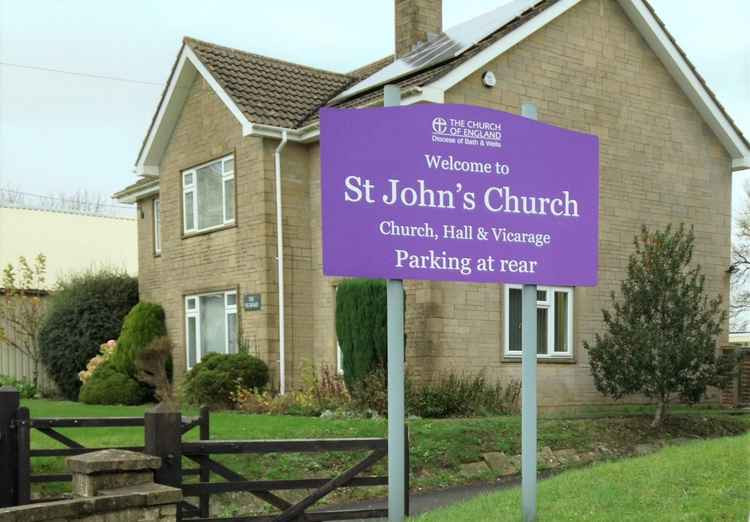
(488, 79)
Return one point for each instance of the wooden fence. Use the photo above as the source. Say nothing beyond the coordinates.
(163, 431)
(19, 366)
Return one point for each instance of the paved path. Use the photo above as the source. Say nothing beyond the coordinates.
(429, 500)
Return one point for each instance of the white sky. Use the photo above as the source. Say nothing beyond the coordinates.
(65, 133)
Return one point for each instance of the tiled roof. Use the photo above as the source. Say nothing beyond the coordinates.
(266, 90)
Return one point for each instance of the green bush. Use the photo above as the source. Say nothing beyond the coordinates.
(461, 395)
(361, 327)
(23, 386)
(143, 324)
(86, 310)
(213, 380)
(107, 385)
(443, 395)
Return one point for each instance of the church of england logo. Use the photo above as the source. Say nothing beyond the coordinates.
(439, 125)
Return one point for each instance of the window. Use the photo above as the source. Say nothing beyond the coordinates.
(339, 359)
(554, 320)
(157, 226)
(208, 195)
(210, 325)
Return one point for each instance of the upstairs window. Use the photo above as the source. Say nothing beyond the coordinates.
(208, 195)
(554, 321)
(157, 226)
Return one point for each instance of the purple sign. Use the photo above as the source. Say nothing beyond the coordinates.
(457, 193)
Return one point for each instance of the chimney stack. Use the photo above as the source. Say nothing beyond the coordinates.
(417, 21)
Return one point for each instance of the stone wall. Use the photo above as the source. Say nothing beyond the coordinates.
(108, 486)
(236, 257)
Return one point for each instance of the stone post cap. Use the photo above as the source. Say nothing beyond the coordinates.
(112, 461)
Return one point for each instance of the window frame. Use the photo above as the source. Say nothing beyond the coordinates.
(339, 358)
(195, 313)
(192, 188)
(549, 305)
(156, 210)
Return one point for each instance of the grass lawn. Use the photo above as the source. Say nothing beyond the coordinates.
(438, 447)
(706, 480)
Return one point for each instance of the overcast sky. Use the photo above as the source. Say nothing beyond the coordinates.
(65, 133)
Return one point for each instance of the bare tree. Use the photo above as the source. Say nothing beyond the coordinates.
(10, 195)
(82, 201)
(21, 308)
(79, 201)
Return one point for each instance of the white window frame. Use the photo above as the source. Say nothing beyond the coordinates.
(157, 225)
(195, 313)
(192, 188)
(549, 304)
(339, 359)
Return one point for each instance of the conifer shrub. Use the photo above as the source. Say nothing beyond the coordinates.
(85, 310)
(213, 380)
(143, 324)
(361, 328)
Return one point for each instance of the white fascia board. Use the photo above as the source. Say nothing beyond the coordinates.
(146, 191)
(741, 163)
(671, 58)
(272, 131)
(506, 42)
(173, 96)
(188, 65)
(147, 170)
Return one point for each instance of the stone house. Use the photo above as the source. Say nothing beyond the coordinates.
(229, 119)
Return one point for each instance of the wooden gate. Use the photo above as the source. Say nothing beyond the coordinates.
(163, 431)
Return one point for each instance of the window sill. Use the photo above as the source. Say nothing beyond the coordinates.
(568, 359)
(187, 235)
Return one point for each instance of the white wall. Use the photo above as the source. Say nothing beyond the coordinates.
(71, 241)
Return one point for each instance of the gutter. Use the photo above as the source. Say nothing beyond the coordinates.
(280, 264)
(311, 133)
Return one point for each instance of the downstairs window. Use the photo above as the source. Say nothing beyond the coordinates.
(554, 320)
(210, 325)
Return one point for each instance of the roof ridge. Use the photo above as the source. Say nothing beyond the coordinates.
(188, 40)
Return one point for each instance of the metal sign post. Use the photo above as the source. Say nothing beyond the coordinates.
(528, 385)
(396, 409)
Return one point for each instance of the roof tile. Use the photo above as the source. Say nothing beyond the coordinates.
(269, 91)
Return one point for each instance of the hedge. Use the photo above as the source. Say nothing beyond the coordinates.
(84, 311)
